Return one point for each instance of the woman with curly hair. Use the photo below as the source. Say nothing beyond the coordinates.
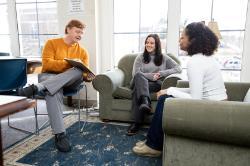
(148, 71)
(205, 82)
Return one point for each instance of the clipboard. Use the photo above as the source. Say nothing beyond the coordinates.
(79, 65)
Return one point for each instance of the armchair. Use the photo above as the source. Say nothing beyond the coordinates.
(114, 92)
(202, 132)
(12, 74)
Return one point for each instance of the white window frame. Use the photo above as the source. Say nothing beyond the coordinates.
(174, 14)
(13, 30)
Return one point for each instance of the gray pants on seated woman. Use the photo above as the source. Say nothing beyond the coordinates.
(141, 102)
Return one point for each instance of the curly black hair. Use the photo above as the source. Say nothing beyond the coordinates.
(201, 38)
(158, 54)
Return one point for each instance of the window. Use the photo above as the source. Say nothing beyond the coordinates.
(231, 25)
(37, 22)
(4, 31)
(134, 20)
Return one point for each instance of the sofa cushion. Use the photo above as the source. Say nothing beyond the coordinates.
(126, 93)
(247, 97)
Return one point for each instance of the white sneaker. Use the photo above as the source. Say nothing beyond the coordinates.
(144, 150)
(140, 143)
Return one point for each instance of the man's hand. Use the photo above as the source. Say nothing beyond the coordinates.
(161, 92)
(88, 77)
(156, 76)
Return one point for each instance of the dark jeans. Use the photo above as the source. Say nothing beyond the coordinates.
(155, 133)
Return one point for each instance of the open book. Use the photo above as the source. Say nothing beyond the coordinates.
(78, 64)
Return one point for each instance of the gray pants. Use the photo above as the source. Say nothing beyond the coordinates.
(55, 84)
(141, 86)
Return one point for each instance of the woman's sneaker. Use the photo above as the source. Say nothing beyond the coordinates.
(145, 150)
(140, 143)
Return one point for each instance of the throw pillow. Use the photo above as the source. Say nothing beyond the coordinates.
(247, 97)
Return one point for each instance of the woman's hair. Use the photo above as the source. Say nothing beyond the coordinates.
(201, 38)
(74, 23)
(158, 54)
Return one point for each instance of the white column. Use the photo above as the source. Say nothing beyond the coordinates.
(14, 40)
(105, 22)
(245, 72)
(174, 14)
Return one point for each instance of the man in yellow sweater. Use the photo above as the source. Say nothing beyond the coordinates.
(57, 76)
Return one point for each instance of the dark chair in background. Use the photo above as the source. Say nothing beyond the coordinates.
(13, 75)
(70, 93)
(4, 54)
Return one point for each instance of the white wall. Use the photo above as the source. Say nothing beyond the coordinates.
(89, 38)
(245, 72)
(174, 14)
(13, 29)
(104, 15)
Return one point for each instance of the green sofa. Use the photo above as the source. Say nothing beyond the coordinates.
(114, 92)
(208, 133)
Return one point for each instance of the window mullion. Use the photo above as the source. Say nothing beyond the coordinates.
(174, 15)
(38, 28)
(139, 43)
(246, 49)
(13, 28)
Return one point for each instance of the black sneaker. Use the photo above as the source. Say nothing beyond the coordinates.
(133, 129)
(62, 143)
(145, 108)
(29, 91)
(145, 105)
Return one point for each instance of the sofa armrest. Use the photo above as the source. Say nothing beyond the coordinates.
(236, 91)
(109, 81)
(170, 81)
(222, 121)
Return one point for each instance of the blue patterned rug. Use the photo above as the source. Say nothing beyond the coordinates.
(99, 144)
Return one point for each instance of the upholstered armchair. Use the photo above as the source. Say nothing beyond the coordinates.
(114, 92)
(202, 132)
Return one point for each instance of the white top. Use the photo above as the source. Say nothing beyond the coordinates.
(205, 80)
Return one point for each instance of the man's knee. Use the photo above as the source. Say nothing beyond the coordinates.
(77, 72)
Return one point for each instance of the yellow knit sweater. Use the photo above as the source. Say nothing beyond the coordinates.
(54, 52)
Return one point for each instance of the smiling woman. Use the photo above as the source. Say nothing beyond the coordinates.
(148, 72)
